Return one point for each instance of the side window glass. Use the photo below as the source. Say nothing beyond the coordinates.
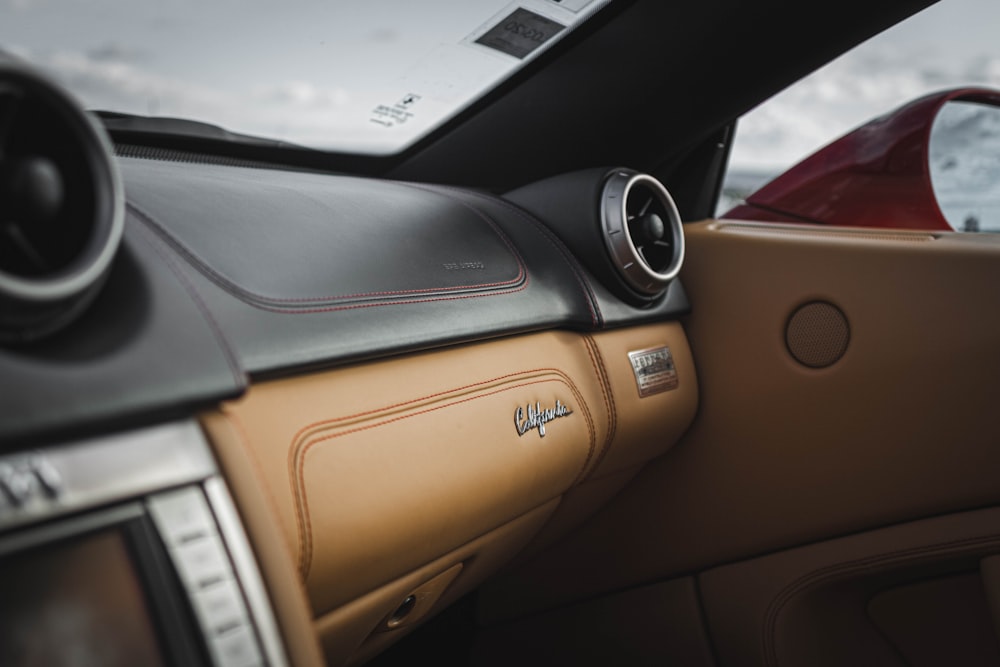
(949, 45)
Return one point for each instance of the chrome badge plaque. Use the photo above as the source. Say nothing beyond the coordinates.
(654, 370)
(536, 417)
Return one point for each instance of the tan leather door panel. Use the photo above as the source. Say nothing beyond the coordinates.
(902, 427)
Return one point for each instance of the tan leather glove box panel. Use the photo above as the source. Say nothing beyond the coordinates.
(379, 468)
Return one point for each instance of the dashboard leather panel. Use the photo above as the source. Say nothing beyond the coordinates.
(297, 242)
(646, 426)
(285, 290)
(351, 632)
(379, 468)
(606, 308)
(446, 470)
(260, 518)
(145, 349)
(316, 270)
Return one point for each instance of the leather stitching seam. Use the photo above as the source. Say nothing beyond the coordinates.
(301, 447)
(240, 428)
(239, 377)
(589, 298)
(291, 305)
(404, 404)
(609, 400)
(394, 302)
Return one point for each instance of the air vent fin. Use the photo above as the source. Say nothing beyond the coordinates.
(642, 231)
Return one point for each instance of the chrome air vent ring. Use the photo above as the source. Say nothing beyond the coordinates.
(642, 231)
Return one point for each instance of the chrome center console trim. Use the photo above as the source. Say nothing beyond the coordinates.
(57, 480)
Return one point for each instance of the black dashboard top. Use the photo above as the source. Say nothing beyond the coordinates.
(228, 273)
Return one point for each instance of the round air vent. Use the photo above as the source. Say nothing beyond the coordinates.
(642, 231)
(61, 206)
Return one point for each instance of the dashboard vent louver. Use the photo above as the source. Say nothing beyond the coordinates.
(61, 205)
(642, 231)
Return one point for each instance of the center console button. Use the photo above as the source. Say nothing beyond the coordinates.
(236, 649)
(182, 516)
(220, 607)
(202, 562)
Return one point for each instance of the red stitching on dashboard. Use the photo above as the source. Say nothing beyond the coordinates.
(595, 314)
(395, 302)
(251, 454)
(237, 423)
(525, 373)
(234, 366)
(295, 449)
(260, 300)
(597, 361)
(301, 449)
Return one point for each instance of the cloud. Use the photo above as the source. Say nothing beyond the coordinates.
(114, 52)
(23, 5)
(303, 94)
(984, 68)
(116, 78)
(384, 35)
(105, 81)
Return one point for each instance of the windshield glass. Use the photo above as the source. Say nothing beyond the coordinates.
(360, 76)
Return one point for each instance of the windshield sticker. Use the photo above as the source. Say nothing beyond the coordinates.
(391, 115)
(520, 32)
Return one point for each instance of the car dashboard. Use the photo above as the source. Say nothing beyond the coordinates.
(262, 414)
(300, 413)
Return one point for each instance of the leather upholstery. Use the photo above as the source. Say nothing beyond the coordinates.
(313, 270)
(376, 470)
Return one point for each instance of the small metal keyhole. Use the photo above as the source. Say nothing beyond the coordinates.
(403, 610)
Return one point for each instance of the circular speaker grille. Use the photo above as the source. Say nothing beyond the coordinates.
(817, 334)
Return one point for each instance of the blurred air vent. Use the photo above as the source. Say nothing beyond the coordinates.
(61, 206)
(642, 231)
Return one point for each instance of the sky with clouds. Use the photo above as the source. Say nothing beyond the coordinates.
(206, 60)
(297, 70)
(950, 44)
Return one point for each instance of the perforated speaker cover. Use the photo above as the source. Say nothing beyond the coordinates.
(817, 334)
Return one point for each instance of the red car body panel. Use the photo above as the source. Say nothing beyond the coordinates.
(876, 176)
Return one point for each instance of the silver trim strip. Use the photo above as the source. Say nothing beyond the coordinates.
(614, 221)
(107, 469)
(247, 572)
